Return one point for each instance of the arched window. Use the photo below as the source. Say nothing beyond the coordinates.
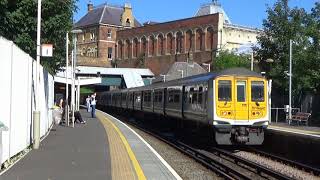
(210, 38)
(135, 47)
(144, 46)
(152, 46)
(120, 49)
(179, 42)
(190, 41)
(128, 22)
(200, 40)
(128, 49)
(160, 44)
(170, 43)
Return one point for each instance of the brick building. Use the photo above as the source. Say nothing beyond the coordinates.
(111, 34)
(159, 45)
(96, 45)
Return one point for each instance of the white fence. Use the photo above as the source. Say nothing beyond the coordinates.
(17, 79)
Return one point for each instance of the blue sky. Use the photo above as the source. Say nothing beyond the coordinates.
(242, 12)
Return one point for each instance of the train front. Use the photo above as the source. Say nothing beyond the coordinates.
(241, 109)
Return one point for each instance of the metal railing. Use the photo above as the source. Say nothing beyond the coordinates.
(275, 113)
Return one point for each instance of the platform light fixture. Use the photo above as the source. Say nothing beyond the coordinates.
(74, 64)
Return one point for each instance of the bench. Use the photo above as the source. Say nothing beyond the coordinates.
(300, 117)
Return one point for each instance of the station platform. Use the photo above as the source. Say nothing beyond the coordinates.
(296, 129)
(103, 148)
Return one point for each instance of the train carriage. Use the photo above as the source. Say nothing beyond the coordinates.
(235, 103)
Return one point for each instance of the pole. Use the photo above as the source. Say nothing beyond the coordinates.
(72, 88)
(67, 85)
(74, 73)
(78, 95)
(290, 81)
(36, 113)
(252, 61)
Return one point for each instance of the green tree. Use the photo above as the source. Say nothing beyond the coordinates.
(281, 25)
(18, 22)
(228, 59)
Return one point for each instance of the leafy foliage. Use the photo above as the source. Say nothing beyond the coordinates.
(281, 25)
(18, 19)
(228, 59)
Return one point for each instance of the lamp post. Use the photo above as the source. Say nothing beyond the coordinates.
(36, 113)
(207, 64)
(290, 80)
(252, 61)
(67, 85)
(74, 60)
(181, 73)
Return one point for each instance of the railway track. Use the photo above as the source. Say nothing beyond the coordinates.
(222, 162)
(296, 164)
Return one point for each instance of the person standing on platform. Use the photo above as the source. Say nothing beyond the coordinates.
(93, 107)
(88, 103)
(94, 95)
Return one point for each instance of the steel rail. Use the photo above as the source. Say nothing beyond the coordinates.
(288, 161)
(213, 164)
(259, 168)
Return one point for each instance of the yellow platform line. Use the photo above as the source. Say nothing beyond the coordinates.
(133, 158)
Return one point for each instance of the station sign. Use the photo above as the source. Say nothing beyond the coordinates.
(46, 50)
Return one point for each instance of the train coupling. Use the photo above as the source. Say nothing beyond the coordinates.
(240, 135)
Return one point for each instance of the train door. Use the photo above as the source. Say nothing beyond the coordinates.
(258, 98)
(241, 99)
(224, 95)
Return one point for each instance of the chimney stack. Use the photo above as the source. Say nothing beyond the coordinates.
(90, 6)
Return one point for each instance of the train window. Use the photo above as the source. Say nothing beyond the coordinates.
(224, 90)
(156, 97)
(146, 97)
(176, 98)
(257, 91)
(191, 92)
(170, 98)
(241, 91)
(160, 97)
(205, 97)
(200, 95)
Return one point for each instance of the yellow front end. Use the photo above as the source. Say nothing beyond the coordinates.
(241, 107)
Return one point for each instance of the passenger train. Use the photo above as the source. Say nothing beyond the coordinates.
(234, 103)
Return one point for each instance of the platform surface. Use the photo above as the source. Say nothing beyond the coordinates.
(103, 148)
(67, 153)
(132, 149)
(297, 129)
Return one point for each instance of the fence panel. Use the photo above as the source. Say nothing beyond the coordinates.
(19, 101)
(5, 91)
(17, 78)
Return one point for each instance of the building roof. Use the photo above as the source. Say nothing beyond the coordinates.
(103, 14)
(213, 8)
(179, 68)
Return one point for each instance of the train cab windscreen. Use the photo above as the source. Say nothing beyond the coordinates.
(257, 91)
(224, 90)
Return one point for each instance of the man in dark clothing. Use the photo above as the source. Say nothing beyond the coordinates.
(78, 118)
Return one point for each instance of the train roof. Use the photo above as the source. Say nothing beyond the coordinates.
(197, 79)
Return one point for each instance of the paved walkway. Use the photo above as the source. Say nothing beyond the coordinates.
(67, 153)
